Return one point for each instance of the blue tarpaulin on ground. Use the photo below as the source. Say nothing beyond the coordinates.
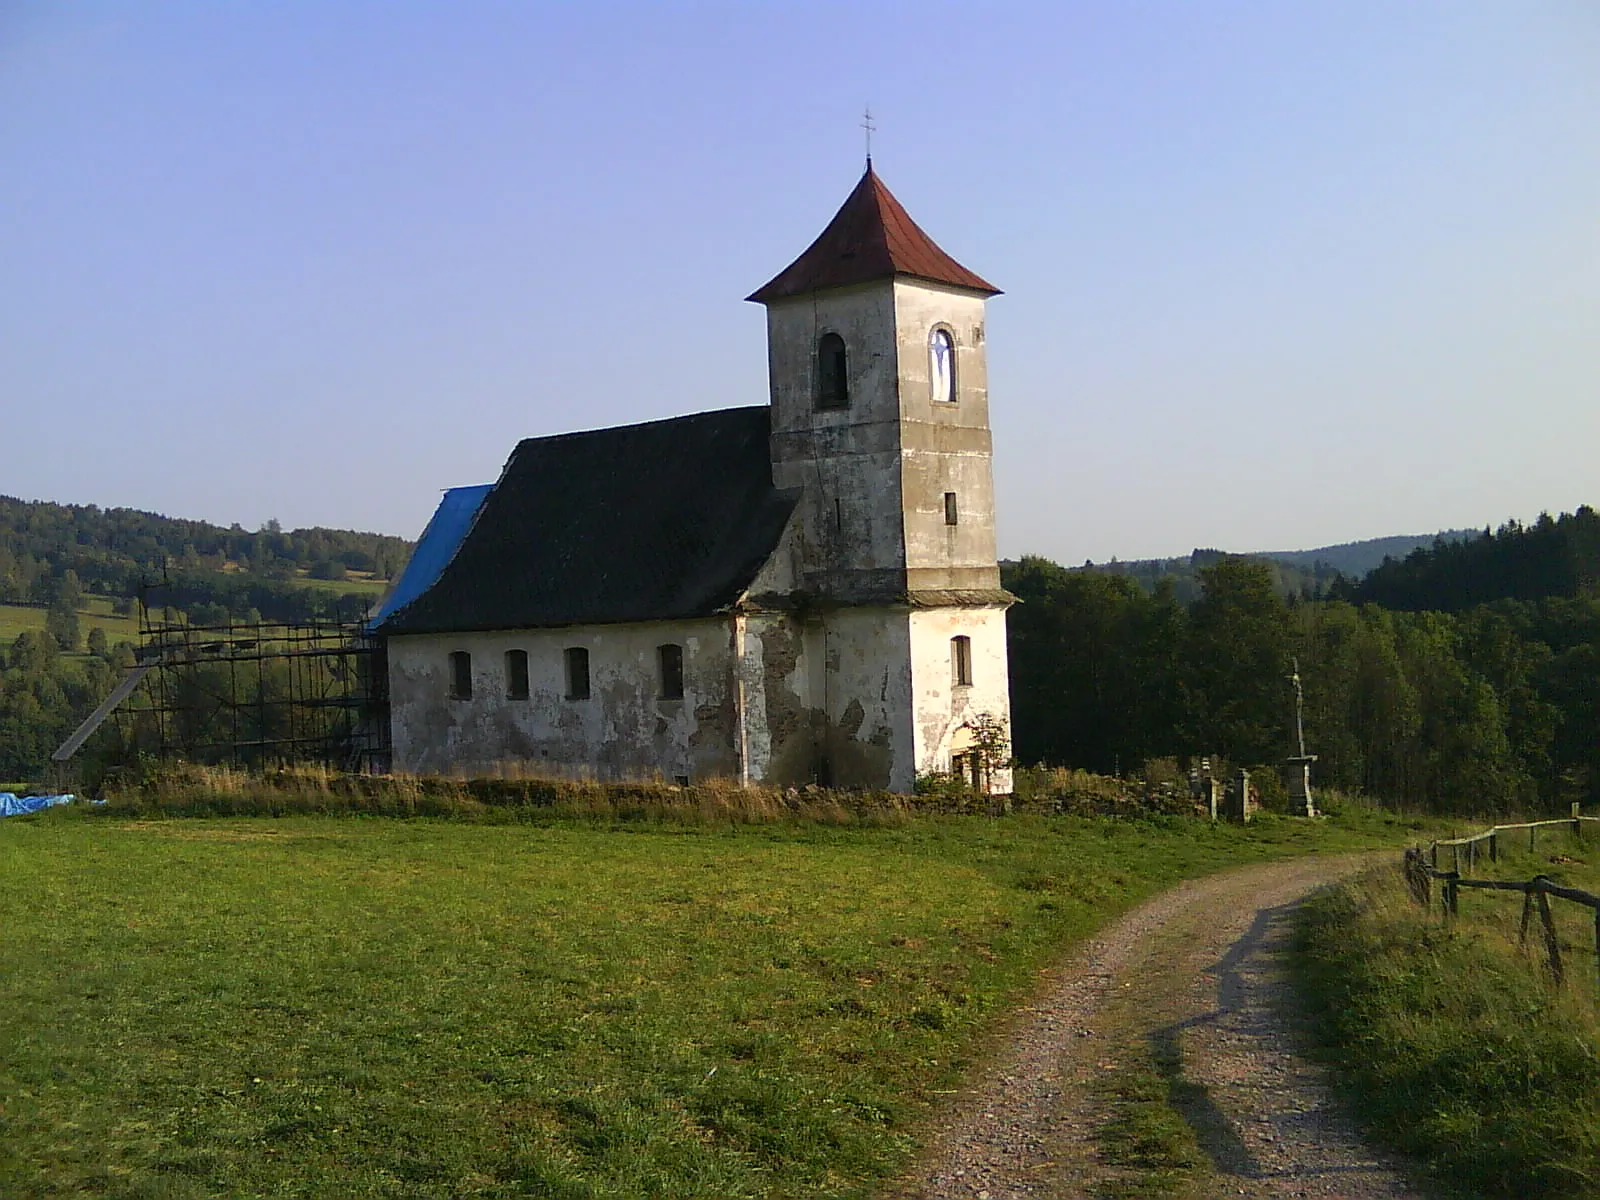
(12, 805)
(435, 548)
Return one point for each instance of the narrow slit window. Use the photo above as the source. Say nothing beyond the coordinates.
(516, 674)
(833, 381)
(961, 660)
(460, 675)
(577, 673)
(671, 658)
(951, 516)
(942, 366)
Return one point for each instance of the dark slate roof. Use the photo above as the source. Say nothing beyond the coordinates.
(659, 521)
(870, 238)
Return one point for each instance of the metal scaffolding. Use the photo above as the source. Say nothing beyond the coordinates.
(260, 693)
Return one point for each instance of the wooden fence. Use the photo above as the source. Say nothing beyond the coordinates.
(1422, 868)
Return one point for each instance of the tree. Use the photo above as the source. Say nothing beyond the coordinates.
(68, 591)
(61, 623)
(1091, 667)
(1236, 663)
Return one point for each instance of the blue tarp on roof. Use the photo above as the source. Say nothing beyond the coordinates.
(435, 548)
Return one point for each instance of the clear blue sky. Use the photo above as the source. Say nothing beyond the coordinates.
(1277, 274)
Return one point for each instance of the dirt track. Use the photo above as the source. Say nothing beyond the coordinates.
(1193, 979)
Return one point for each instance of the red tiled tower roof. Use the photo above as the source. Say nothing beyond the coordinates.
(870, 238)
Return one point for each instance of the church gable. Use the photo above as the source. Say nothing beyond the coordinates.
(660, 521)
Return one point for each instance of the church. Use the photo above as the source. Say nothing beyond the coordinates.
(804, 591)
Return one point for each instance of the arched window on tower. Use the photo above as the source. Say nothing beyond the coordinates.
(833, 381)
(942, 366)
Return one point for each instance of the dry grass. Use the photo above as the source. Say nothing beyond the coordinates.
(194, 790)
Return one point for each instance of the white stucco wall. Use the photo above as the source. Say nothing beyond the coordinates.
(942, 707)
(623, 731)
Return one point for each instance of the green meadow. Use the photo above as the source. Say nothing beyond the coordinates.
(96, 610)
(318, 1006)
(356, 581)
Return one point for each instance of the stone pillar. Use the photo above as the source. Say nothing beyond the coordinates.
(1241, 798)
(1298, 779)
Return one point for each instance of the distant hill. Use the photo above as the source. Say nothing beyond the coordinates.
(1295, 572)
(1355, 559)
(1555, 557)
(271, 572)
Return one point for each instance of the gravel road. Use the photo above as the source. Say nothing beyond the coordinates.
(1195, 974)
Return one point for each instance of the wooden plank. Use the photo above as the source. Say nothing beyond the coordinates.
(97, 718)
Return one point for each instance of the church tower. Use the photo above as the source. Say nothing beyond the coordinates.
(880, 418)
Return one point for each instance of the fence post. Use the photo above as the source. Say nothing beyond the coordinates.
(1417, 880)
(1472, 855)
(1533, 832)
(1597, 950)
(1456, 855)
(1552, 947)
(1433, 852)
(1494, 844)
(1450, 891)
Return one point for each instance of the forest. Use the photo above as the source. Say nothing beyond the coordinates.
(112, 551)
(1465, 677)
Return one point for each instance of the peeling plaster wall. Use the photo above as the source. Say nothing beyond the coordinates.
(623, 731)
(829, 698)
(875, 473)
(866, 698)
(847, 460)
(942, 708)
(768, 698)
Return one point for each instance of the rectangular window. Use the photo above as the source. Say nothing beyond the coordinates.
(577, 673)
(516, 674)
(671, 671)
(950, 508)
(961, 661)
(460, 675)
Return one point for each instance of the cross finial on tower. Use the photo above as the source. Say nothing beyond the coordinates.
(866, 124)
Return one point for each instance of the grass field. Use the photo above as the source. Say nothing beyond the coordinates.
(1455, 1046)
(369, 1007)
(18, 618)
(356, 582)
